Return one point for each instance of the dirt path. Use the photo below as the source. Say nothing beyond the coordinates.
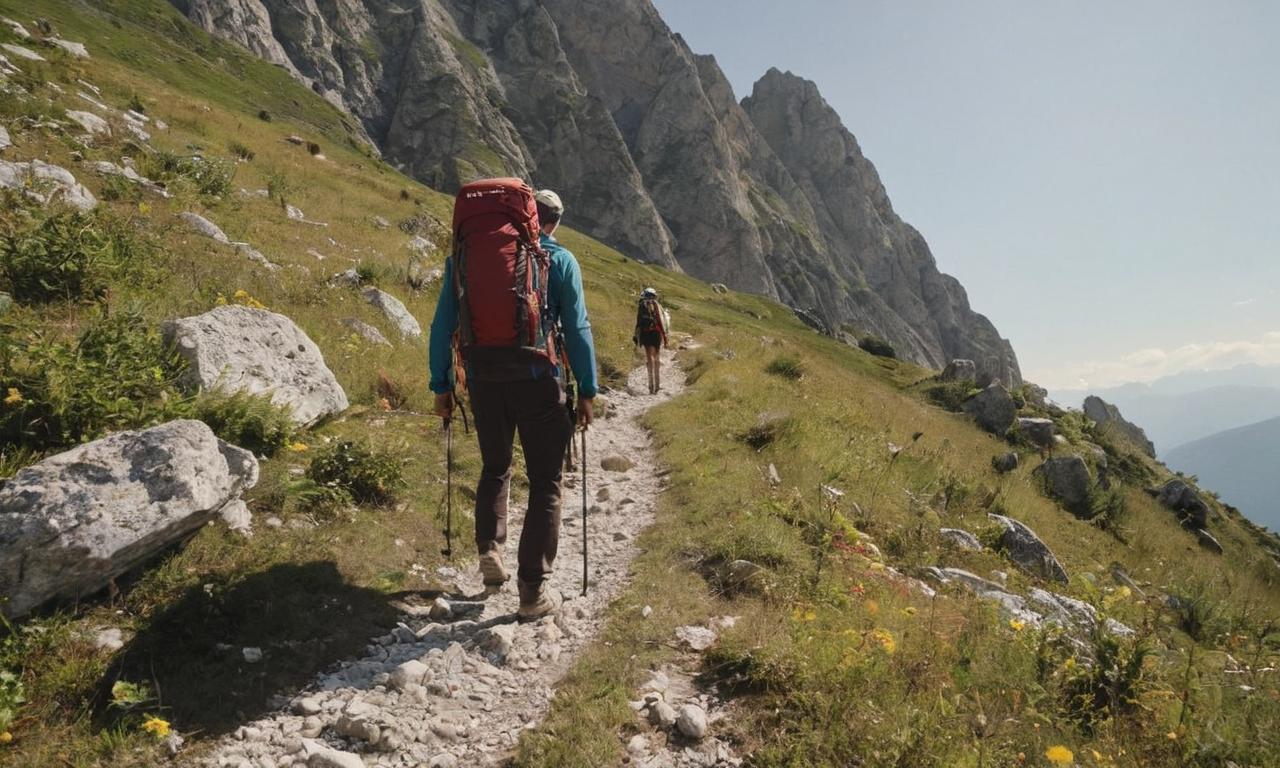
(458, 680)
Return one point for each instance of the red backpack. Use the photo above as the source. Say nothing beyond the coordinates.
(500, 271)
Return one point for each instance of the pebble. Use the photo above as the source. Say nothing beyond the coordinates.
(251, 655)
(410, 673)
(662, 714)
(109, 639)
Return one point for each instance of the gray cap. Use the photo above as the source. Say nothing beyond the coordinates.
(549, 200)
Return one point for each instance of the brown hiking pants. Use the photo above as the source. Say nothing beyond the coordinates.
(536, 409)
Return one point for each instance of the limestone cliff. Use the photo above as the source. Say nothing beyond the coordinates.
(645, 140)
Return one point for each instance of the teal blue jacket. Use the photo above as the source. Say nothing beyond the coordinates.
(567, 304)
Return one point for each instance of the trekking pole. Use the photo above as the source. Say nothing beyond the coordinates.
(584, 511)
(448, 485)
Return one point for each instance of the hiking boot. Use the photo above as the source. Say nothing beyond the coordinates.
(495, 575)
(536, 600)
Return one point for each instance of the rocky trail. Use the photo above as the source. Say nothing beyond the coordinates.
(459, 679)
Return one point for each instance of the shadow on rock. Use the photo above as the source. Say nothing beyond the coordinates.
(301, 618)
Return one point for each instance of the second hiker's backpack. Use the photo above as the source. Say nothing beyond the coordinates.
(500, 271)
(648, 315)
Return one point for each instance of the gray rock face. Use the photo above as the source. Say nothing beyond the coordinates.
(1027, 551)
(1066, 478)
(645, 140)
(395, 310)
(250, 350)
(1208, 541)
(46, 183)
(961, 538)
(366, 331)
(1180, 497)
(993, 408)
(74, 521)
(1039, 432)
(202, 226)
(959, 370)
(1108, 416)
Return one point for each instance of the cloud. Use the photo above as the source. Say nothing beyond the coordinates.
(1152, 363)
(1243, 302)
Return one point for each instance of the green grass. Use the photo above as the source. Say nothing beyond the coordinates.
(832, 661)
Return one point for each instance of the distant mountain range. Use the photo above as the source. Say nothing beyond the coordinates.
(1240, 464)
(1221, 426)
(1188, 406)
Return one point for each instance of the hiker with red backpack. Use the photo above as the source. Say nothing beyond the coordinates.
(651, 333)
(511, 316)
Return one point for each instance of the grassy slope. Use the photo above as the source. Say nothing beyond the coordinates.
(814, 691)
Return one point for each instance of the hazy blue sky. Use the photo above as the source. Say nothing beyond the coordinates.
(1102, 175)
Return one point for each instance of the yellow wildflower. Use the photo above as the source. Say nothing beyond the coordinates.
(1171, 735)
(144, 208)
(6, 737)
(910, 610)
(156, 727)
(1059, 755)
(803, 613)
(872, 607)
(14, 397)
(1017, 625)
(1069, 664)
(221, 300)
(884, 639)
(298, 447)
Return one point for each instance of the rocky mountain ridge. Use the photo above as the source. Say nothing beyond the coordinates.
(646, 139)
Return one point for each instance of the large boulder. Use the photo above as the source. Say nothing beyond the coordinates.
(1027, 551)
(1067, 479)
(959, 370)
(1108, 417)
(993, 408)
(46, 183)
(73, 522)
(242, 349)
(1038, 432)
(1180, 497)
(395, 311)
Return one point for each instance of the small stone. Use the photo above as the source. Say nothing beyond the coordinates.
(692, 721)
(496, 641)
(332, 758)
(616, 463)
(443, 760)
(110, 639)
(202, 226)
(251, 655)
(307, 705)
(646, 611)
(410, 673)
(440, 610)
(638, 745)
(602, 494)
(662, 714)
(775, 479)
(698, 638)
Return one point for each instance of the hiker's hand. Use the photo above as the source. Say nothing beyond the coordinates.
(444, 405)
(586, 411)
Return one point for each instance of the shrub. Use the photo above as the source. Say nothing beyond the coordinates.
(209, 177)
(280, 188)
(767, 430)
(11, 697)
(241, 150)
(787, 367)
(1109, 511)
(264, 115)
(252, 422)
(71, 256)
(877, 346)
(135, 103)
(1197, 610)
(949, 394)
(1110, 686)
(371, 477)
(118, 374)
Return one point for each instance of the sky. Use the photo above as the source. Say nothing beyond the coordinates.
(1102, 176)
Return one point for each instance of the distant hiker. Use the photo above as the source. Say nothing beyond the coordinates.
(511, 310)
(651, 333)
